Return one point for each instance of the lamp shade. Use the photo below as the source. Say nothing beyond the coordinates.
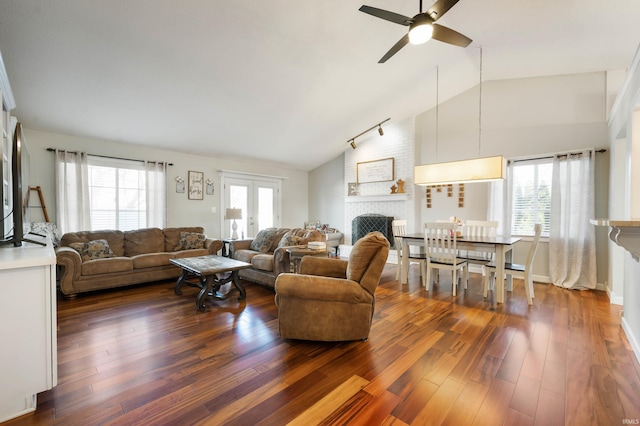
(233, 214)
(464, 171)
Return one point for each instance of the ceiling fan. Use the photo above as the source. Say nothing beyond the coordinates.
(422, 27)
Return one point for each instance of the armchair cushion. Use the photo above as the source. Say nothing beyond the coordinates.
(326, 289)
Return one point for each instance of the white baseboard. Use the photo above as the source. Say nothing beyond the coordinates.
(632, 339)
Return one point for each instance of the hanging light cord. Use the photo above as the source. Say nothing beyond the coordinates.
(480, 109)
(437, 106)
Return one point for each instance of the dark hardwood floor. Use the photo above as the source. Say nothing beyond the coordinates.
(143, 355)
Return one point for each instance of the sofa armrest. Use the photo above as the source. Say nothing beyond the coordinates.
(324, 266)
(239, 245)
(70, 268)
(213, 245)
(281, 261)
(313, 287)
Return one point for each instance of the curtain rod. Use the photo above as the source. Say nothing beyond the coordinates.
(106, 156)
(598, 151)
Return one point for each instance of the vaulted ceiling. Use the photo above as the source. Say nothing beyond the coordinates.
(288, 82)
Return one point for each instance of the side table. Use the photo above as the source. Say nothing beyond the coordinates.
(297, 253)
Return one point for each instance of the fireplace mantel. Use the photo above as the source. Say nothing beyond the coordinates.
(625, 233)
(383, 197)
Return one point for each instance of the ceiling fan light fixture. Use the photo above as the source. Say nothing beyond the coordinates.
(421, 30)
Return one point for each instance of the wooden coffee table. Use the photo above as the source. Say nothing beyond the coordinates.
(212, 271)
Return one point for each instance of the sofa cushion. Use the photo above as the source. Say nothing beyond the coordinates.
(263, 262)
(262, 242)
(280, 232)
(107, 266)
(289, 239)
(141, 241)
(92, 250)
(172, 235)
(244, 255)
(190, 241)
(113, 237)
(150, 260)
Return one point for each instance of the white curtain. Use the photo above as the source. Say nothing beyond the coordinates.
(500, 198)
(156, 179)
(572, 250)
(72, 191)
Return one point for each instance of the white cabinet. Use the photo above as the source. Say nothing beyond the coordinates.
(28, 348)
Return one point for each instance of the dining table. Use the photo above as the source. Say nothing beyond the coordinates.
(501, 246)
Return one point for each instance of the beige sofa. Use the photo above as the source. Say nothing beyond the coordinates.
(269, 257)
(132, 257)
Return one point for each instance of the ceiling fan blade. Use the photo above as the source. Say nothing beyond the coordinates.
(386, 15)
(447, 35)
(399, 45)
(440, 7)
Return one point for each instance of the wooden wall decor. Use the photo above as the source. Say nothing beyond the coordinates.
(438, 188)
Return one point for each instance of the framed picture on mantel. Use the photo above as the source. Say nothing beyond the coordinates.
(375, 171)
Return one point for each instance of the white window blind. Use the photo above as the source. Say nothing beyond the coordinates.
(117, 190)
(531, 200)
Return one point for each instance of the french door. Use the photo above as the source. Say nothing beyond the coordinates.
(259, 200)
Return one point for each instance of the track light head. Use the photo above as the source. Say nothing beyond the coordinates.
(380, 130)
(353, 144)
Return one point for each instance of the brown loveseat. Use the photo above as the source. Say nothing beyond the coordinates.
(136, 257)
(267, 252)
(332, 299)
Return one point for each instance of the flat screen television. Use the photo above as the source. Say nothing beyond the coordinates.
(20, 190)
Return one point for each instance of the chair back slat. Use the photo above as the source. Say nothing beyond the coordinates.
(441, 241)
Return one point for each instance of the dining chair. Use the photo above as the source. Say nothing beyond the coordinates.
(479, 229)
(399, 228)
(524, 272)
(440, 240)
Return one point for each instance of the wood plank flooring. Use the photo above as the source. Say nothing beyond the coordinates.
(143, 355)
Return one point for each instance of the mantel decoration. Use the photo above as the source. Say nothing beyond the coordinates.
(196, 183)
(209, 184)
(352, 189)
(374, 171)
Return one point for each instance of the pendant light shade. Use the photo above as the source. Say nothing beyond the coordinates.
(464, 171)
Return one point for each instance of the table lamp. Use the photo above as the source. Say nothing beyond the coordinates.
(233, 214)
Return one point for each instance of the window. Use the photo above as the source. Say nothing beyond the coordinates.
(531, 196)
(117, 193)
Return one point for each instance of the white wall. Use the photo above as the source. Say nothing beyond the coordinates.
(326, 183)
(181, 211)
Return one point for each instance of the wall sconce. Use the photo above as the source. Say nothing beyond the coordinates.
(209, 186)
(179, 184)
(352, 141)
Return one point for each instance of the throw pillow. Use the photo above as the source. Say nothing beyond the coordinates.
(289, 239)
(96, 249)
(262, 242)
(190, 241)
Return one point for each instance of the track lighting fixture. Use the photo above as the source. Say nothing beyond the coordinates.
(352, 141)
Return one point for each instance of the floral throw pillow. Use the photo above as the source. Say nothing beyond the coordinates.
(262, 241)
(289, 239)
(190, 241)
(96, 249)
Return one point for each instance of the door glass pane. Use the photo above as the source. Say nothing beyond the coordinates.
(265, 208)
(238, 198)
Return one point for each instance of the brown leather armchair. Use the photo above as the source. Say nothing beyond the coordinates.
(332, 299)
